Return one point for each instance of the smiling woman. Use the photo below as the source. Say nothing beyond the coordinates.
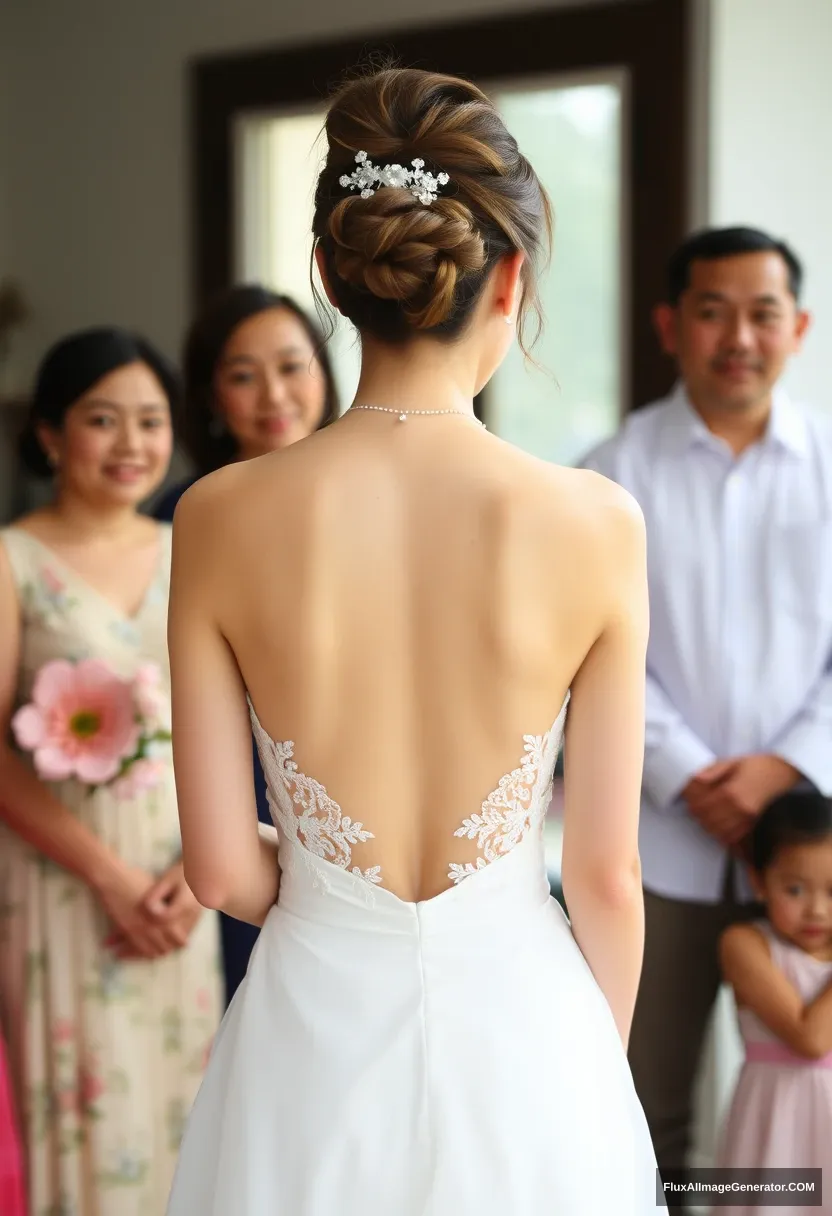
(109, 992)
(257, 378)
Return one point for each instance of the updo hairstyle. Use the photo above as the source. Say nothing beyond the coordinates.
(395, 265)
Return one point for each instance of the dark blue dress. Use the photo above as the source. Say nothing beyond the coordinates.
(238, 938)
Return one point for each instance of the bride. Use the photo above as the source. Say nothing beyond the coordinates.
(410, 612)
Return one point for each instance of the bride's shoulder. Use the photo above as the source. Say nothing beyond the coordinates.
(220, 493)
(590, 522)
(581, 497)
(205, 517)
(601, 499)
(597, 528)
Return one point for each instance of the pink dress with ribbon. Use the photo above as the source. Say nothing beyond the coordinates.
(781, 1113)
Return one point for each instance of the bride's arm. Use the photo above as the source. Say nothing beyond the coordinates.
(230, 864)
(601, 872)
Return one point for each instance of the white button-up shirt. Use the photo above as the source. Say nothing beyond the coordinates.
(740, 651)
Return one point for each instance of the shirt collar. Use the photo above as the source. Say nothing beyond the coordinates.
(786, 430)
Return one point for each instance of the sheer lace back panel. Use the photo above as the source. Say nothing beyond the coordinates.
(315, 826)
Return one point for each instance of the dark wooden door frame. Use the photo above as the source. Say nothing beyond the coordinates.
(647, 38)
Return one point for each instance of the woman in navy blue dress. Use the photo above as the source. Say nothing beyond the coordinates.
(257, 378)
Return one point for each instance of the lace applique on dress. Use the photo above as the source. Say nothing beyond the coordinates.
(308, 815)
(313, 821)
(514, 807)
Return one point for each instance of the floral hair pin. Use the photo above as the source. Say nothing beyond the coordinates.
(368, 178)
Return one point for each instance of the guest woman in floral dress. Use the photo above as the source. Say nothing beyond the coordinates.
(109, 980)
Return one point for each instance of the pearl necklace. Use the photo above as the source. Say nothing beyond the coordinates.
(404, 414)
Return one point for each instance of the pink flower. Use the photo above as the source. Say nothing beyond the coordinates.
(149, 695)
(140, 776)
(80, 723)
(146, 774)
(147, 675)
(152, 707)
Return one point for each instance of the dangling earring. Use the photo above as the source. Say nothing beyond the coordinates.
(508, 320)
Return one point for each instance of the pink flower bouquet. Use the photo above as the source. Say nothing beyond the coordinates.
(86, 722)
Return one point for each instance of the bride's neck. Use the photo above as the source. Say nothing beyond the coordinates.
(424, 374)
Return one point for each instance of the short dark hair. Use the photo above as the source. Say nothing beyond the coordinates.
(711, 244)
(204, 345)
(71, 367)
(798, 817)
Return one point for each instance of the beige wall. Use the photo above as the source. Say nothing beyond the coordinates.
(99, 210)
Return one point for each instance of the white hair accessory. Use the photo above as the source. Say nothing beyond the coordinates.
(368, 178)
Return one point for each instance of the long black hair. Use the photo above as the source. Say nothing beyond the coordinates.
(71, 367)
(206, 339)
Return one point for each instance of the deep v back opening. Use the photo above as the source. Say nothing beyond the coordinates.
(314, 822)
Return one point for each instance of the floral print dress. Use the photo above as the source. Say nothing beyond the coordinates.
(106, 1056)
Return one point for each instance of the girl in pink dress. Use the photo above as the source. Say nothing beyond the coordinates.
(780, 970)
(11, 1166)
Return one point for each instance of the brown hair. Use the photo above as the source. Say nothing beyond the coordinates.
(394, 265)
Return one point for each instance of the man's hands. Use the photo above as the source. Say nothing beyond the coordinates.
(727, 797)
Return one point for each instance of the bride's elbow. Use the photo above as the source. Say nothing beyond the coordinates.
(213, 899)
(212, 887)
(624, 888)
(614, 886)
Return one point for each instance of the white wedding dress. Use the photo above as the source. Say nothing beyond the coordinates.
(453, 1057)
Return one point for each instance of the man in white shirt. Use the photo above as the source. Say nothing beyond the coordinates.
(735, 482)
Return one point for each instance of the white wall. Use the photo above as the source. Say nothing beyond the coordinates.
(770, 165)
(100, 206)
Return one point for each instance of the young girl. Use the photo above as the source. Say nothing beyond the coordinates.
(781, 972)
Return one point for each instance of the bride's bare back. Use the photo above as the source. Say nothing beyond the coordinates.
(405, 604)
